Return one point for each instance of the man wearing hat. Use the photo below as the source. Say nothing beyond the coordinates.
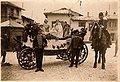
(103, 23)
(75, 46)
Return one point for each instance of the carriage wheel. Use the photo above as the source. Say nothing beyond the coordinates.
(82, 55)
(27, 59)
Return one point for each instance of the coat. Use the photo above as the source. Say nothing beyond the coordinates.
(75, 42)
(39, 41)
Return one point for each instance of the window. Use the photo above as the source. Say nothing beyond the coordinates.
(81, 24)
(11, 12)
(17, 12)
(112, 36)
(110, 24)
(115, 24)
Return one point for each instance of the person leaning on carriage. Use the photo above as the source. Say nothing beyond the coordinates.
(103, 23)
(38, 45)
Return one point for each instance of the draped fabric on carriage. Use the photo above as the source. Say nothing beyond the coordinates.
(99, 39)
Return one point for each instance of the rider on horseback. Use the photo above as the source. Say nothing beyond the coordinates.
(103, 24)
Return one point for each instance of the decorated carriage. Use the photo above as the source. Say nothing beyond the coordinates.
(60, 48)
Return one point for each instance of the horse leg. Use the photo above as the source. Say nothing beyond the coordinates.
(103, 59)
(96, 55)
(99, 59)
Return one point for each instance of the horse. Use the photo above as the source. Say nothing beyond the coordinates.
(30, 31)
(99, 44)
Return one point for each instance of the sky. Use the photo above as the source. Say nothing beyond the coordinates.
(35, 8)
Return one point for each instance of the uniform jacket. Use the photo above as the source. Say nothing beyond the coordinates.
(39, 41)
(75, 42)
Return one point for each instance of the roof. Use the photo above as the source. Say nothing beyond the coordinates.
(62, 11)
(112, 17)
(10, 23)
(10, 4)
(27, 18)
(86, 18)
(91, 18)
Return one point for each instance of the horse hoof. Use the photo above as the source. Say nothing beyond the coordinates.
(103, 67)
(95, 66)
(99, 62)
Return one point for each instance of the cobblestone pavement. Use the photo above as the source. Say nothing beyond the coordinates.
(58, 70)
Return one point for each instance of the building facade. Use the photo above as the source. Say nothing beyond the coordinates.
(81, 22)
(62, 14)
(11, 22)
(10, 11)
(74, 19)
(26, 20)
(112, 26)
(78, 21)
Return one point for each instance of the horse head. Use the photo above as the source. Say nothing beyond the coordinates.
(99, 38)
(30, 30)
(96, 31)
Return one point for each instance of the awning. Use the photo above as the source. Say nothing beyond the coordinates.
(10, 23)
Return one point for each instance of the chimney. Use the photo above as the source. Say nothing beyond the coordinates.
(106, 13)
(87, 14)
(114, 13)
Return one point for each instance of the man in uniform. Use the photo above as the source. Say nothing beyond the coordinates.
(38, 45)
(75, 48)
(103, 23)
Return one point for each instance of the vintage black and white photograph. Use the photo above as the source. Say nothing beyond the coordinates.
(59, 40)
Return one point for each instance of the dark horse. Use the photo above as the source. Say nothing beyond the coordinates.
(30, 30)
(99, 44)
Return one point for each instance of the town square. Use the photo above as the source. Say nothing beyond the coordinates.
(59, 40)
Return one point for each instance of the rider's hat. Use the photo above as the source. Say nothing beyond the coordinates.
(101, 14)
